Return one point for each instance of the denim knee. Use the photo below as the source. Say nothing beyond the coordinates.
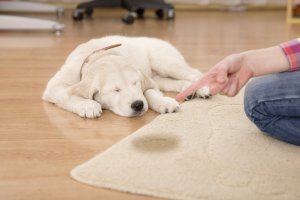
(255, 107)
(272, 104)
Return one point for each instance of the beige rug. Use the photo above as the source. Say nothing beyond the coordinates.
(209, 150)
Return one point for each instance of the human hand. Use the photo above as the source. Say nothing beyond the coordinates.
(231, 74)
(227, 77)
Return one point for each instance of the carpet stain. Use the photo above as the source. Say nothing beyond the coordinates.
(156, 143)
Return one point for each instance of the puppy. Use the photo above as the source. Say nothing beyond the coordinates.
(123, 74)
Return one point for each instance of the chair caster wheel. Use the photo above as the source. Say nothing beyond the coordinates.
(160, 14)
(140, 13)
(78, 15)
(89, 12)
(171, 14)
(129, 19)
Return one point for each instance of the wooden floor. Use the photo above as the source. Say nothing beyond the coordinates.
(40, 143)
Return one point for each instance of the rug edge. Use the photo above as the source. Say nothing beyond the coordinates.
(142, 192)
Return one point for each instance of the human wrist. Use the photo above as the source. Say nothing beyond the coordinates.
(247, 64)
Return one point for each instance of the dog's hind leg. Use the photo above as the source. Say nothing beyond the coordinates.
(171, 85)
(174, 85)
(175, 68)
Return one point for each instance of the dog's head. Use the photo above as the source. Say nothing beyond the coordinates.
(115, 85)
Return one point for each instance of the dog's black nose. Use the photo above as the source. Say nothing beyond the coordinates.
(137, 106)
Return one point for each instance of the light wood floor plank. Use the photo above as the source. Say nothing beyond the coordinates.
(40, 143)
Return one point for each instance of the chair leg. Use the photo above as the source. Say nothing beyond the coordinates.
(18, 6)
(25, 23)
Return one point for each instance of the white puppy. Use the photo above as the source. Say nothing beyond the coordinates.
(122, 74)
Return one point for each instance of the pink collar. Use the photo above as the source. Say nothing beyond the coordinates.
(86, 60)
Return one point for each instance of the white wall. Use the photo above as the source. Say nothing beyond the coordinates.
(233, 2)
(201, 2)
(225, 2)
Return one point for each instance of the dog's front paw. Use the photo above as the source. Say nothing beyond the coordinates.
(88, 108)
(167, 105)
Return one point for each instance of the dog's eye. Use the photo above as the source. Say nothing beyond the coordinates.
(117, 90)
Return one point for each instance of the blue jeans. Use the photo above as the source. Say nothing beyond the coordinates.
(272, 103)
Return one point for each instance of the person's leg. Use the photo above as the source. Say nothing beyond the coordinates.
(272, 103)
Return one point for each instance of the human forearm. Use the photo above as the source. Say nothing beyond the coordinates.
(283, 57)
(265, 61)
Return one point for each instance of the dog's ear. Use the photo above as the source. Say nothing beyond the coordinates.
(84, 89)
(147, 82)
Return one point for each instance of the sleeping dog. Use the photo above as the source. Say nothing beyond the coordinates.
(123, 74)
